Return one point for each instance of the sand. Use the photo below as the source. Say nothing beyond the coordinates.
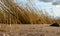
(29, 30)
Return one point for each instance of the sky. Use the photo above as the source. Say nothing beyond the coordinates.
(52, 7)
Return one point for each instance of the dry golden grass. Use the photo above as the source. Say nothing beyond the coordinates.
(13, 14)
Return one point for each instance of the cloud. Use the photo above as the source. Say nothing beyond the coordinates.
(56, 3)
(58, 6)
(46, 0)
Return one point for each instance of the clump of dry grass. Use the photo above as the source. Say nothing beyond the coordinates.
(13, 14)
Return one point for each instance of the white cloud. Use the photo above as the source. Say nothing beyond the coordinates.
(57, 6)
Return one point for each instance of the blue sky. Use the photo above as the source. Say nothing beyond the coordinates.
(52, 7)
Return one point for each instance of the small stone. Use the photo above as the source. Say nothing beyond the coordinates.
(55, 24)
